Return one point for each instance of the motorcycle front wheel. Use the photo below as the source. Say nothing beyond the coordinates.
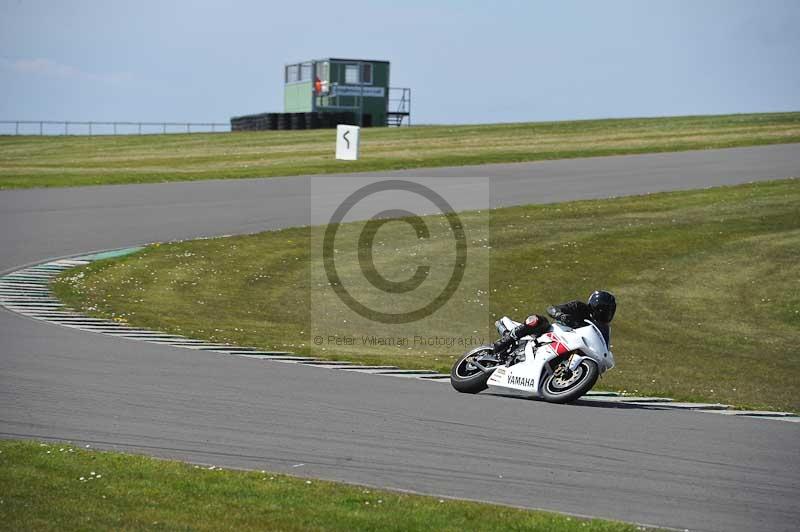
(564, 386)
(465, 376)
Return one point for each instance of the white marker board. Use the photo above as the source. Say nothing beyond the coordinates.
(347, 142)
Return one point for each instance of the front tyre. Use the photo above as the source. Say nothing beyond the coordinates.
(564, 386)
(467, 377)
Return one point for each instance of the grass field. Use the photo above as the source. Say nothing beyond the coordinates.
(708, 284)
(52, 486)
(30, 161)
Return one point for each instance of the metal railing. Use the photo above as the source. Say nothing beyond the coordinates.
(70, 127)
(399, 106)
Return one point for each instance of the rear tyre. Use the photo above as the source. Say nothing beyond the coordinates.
(564, 386)
(468, 378)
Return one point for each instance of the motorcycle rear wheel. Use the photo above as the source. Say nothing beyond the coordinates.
(558, 389)
(467, 378)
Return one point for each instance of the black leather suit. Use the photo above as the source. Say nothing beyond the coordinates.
(572, 314)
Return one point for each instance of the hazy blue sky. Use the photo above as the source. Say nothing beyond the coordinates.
(466, 61)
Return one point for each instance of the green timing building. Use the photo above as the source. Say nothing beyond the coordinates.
(335, 85)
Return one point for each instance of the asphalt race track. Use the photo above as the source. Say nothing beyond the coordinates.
(670, 468)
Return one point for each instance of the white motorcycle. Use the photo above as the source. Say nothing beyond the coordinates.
(559, 366)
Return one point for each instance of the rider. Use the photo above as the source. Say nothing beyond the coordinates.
(599, 309)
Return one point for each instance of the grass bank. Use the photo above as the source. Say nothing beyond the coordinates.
(708, 284)
(52, 486)
(30, 161)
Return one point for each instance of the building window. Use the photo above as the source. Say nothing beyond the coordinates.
(322, 71)
(305, 72)
(351, 74)
(366, 73)
(291, 73)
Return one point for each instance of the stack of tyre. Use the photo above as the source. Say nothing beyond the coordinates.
(286, 121)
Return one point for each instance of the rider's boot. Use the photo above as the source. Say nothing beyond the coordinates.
(534, 325)
(502, 345)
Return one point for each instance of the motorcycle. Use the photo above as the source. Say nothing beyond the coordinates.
(559, 366)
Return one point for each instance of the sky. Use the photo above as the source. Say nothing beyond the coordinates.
(465, 61)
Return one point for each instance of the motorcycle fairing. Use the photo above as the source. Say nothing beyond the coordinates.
(528, 376)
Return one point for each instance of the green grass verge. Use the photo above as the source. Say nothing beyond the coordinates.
(41, 489)
(708, 284)
(30, 161)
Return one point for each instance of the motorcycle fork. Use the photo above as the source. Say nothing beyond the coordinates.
(562, 364)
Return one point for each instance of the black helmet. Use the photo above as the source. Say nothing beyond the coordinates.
(602, 306)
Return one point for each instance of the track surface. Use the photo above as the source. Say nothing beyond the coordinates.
(677, 469)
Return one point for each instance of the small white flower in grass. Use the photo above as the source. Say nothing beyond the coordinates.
(441, 500)
(92, 473)
(61, 450)
(48, 452)
(366, 502)
(88, 446)
(380, 501)
(308, 482)
(99, 476)
(82, 479)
